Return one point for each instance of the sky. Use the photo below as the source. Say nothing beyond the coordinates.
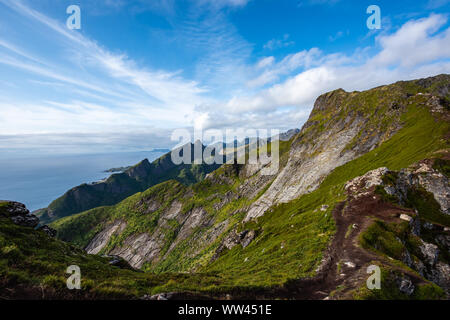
(137, 70)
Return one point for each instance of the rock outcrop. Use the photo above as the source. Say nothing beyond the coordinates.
(231, 216)
(19, 214)
(427, 259)
(122, 185)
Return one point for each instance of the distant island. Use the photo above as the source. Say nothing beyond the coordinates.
(122, 169)
(119, 169)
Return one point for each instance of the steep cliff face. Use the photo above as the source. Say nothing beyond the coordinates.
(255, 230)
(342, 127)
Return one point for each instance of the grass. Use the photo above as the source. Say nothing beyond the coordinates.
(427, 206)
(291, 237)
(389, 289)
(380, 238)
(442, 165)
(264, 263)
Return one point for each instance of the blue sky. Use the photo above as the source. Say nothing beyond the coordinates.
(139, 69)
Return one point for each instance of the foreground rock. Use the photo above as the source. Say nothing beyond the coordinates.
(18, 213)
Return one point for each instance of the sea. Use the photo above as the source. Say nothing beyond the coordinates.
(37, 181)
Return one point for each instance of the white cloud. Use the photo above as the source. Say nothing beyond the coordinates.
(165, 92)
(418, 49)
(416, 42)
(337, 36)
(110, 92)
(265, 62)
(225, 3)
(279, 43)
(305, 58)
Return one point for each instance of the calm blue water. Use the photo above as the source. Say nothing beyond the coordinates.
(38, 181)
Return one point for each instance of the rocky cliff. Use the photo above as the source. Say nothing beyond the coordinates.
(257, 230)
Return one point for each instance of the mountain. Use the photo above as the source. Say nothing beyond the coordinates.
(363, 185)
(122, 185)
(285, 136)
(365, 182)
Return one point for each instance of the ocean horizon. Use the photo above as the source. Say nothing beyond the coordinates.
(37, 181)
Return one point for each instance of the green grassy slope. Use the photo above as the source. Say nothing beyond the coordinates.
(292, 237)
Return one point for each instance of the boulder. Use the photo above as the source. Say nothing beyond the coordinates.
(161, 296)
(119, 262)
(443, 240)
(350, 264)
(49, 231)
(405, 217)
(248, 237)
(29, 220)
(405, 285)
(11, 209)
(430, 252)
(18, 213)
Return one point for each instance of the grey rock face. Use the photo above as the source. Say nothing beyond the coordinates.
(233, 239)
(29, 220)
(370, 179)
(441, 276)
(430, 252)
(160, 296)
(405, 285)
(431, 180)
(119, 262)
(247, 238)
(140, 248)
(102, 238)
(426, 263)
(444, 240)
(306, 168)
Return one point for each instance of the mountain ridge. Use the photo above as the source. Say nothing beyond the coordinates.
(119, 186)
(364, 183)
(209, 226)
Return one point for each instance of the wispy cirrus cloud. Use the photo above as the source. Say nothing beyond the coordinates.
(303, 3)
(434, 4)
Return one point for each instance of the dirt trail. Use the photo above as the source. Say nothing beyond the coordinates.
(355, 214)
(352, 217)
